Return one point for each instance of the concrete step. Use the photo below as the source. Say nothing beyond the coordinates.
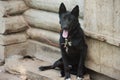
(29, 68)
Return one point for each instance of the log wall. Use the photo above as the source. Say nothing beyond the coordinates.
(12, 28)
(101, 25)
(53, 5)
(101, 21)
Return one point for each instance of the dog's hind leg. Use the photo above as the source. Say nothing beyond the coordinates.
(58, 63)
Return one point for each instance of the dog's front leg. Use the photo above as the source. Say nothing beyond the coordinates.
(66, 67)
(81, 67)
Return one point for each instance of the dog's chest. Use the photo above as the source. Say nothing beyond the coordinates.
(71, 47)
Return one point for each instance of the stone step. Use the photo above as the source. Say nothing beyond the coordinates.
(29, 67)
(51, 54)
(7, 76)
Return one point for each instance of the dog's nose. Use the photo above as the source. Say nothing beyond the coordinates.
(65, 28)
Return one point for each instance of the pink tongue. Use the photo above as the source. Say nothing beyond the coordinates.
(65, 34)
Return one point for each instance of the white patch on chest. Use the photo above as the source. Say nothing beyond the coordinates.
(66, 44)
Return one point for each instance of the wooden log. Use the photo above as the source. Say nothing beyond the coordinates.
(49, 5)
(14, 7)
(44, 36)
(6, 51)
(12, 38)
(38, 19)
(53, 5)
(12, 24)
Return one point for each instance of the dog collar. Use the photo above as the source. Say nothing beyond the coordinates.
(69, 43)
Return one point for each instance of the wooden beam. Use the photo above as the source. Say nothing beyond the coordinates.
(38, 19)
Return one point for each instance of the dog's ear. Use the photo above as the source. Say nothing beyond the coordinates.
(75, 11)
(62, 9)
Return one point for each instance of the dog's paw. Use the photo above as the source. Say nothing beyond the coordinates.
(79, 78)
(68, 79)
(41, 68)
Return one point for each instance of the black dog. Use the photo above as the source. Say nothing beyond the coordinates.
(72, 44)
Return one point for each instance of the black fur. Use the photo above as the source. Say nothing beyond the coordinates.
(73, 60)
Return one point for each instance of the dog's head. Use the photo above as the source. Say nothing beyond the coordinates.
(68, 19)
